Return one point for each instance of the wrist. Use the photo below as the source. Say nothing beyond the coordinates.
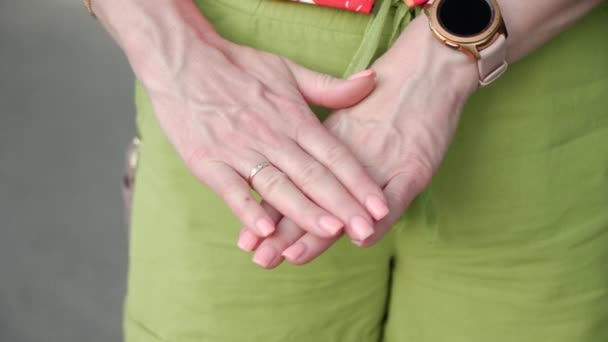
(417, 54)
(154, 34)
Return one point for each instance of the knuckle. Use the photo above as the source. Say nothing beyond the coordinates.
(239, 200)
(324, 81)
(420, 174)
(298, 112)
(194, 157)
(241, 204)
(231, 190)
(256, 89)
(269, 140)
(335, 156)
(249, 121)
(255, 126)
(307, 130)
(275, 183)
(311, 174)
(417, 175)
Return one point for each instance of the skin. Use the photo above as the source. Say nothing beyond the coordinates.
(392, 106)
(226, 108)
(405, 130)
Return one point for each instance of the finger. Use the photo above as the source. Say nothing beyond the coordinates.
(307, 248)
(272, 212)
(268, 254)
(322, 187)
(400, 191)
(332, 92)
(339, 159)
(278, 190)
(235, 191)
(248, 241)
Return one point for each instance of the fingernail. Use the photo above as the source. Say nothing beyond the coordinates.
(330, 224)
(376, 207)
(294, 252)
(364, 73)
(265, 227)
(247, 241)
(264, 256)
(361, 228)
(357, 243)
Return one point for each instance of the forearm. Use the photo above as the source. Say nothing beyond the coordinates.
(533, 23)
(155, 34)
(530, 24)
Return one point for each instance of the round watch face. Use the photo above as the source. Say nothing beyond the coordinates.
(465, 17)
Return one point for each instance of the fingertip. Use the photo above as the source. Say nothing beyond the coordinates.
(265, 257)
(330, 226)
(377, 207)
(369, 73)
(357, 243)
(247, 240)
(369, 242)
(361, 229)
(360, 244)
(265, 227)
(294, 252)
(349, 92)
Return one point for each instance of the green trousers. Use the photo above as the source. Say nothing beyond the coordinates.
(508, 243)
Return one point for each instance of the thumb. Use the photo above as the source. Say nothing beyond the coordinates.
(400, 192)
(331, 92)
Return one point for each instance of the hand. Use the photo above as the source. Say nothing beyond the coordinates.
(228, 107)
(400, 133)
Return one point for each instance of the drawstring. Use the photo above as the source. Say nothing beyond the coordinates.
(373, 33)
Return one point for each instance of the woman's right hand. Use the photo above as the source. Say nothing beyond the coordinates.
(226, 108)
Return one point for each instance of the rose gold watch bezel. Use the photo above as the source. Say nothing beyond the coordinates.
(470, 45)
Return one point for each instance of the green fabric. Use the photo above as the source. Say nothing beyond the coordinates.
(373, 33)
(508, 243)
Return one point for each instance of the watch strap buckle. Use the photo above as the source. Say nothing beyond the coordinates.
(493, 61)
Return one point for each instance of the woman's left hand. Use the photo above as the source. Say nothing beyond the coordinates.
(399, 133)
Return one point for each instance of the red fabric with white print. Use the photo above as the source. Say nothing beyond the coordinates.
(361, 6)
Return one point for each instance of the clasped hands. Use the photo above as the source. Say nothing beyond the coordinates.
(353, 174)
(399, 132)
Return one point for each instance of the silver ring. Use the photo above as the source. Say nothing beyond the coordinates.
(255, 171)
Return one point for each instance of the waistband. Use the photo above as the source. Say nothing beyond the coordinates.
(373, 36)
(360, 6)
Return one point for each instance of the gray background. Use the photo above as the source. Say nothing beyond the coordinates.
(65, 116)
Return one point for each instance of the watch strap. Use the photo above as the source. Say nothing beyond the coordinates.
(493, 61)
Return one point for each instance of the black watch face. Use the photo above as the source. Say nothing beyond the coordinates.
(465, 17)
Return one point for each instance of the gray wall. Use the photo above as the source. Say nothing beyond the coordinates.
(65, 116)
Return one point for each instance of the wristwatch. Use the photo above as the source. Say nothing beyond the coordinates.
(474, 27)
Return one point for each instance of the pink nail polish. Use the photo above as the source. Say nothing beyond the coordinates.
(361, 228)
(376, 207)
(330, 224)
(264, 256)
(364, 73)
(295, 251)
(265, 227)
(247, 241)
(357, 243)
